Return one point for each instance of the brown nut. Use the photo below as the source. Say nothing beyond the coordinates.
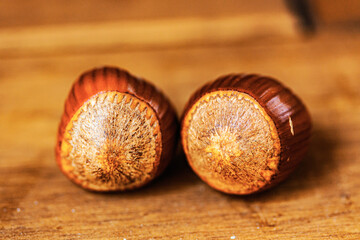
(117, 132)
(244, 133)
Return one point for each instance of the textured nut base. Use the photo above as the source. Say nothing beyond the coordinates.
(231, 142)
(113, 142)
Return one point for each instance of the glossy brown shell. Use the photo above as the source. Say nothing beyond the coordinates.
(106, 79)
(279, 103)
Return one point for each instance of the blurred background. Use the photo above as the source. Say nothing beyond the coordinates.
(179, 44)
(311, 46)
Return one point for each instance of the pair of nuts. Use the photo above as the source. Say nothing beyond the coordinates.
(241, 133)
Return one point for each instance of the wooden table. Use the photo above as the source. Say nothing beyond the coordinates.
(178, 50)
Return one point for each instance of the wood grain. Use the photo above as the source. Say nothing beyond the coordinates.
(15, 13)
(143, 35)
(319, 201)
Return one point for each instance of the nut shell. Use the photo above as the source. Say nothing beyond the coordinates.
(117, 132)
(282, 109)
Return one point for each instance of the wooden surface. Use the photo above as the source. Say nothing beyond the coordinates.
(332, 12)
(41, 55)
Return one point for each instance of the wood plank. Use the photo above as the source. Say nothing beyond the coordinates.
(145, 35)
(319, 201)
(346, 12)
(18, 13)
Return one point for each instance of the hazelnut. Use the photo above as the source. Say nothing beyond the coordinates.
(117, 132)
(244, 133)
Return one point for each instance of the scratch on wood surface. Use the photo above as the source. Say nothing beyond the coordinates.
(263, 221)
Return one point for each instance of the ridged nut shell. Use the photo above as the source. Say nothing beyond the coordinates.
(244, 133)
(117, 132)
